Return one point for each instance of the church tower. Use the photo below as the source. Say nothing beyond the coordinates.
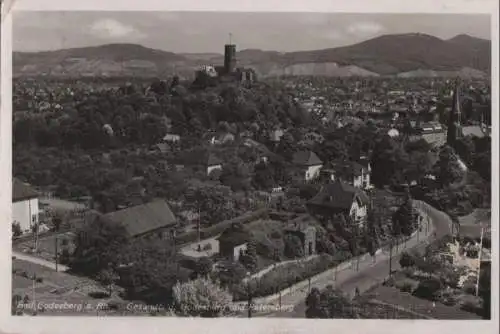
(455, 118)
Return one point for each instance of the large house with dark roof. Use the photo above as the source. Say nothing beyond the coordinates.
(339, 197)
(146, 219)
(308, 163)
(25, 206)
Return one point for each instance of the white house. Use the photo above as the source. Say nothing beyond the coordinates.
(213, 163)
(25, 208)
(340, 197)
(309, 163)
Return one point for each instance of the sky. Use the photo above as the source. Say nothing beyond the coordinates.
(200, 32)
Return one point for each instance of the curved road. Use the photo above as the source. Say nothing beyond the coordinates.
(371, 273)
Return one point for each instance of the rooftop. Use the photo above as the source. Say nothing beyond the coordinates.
(22, 191)
(144, 218)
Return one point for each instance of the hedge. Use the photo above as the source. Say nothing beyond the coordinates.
(286, 276)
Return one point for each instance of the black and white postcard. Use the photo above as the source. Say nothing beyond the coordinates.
(296, 166)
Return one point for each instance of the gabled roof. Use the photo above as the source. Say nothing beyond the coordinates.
(144, 218)
(474, 130)
(212, 160)
(339, 195)
(306, 158)
(22, 191)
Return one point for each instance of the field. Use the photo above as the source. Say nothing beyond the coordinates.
(394, 296)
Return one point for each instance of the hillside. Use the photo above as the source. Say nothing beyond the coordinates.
(404, 55)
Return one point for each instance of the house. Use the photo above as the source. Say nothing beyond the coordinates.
(275, 135)
(354, 173)
(144, 220)
(308, 163)
(340, 197)
(213, 163)
(233, 242)
(25, 205)
(171, 138)
(306, 234)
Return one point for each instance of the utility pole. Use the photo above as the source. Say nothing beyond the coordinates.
(55, 241)
(250, 299)
(390, 258)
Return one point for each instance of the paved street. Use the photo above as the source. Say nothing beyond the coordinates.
(369, 273)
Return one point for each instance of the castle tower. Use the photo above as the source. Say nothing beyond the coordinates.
(229, 57)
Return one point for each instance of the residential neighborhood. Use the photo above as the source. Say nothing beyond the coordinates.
(233, 194)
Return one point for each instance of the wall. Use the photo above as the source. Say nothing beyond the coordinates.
(236, 251)
(21, 213)
(358, 181)
(313, 172)
(358, 211)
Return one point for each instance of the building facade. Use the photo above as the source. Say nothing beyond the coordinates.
(25, 205)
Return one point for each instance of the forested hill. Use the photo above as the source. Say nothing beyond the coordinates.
(384, 55)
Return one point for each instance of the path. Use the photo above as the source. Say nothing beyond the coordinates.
(41, 262)
(369, 273)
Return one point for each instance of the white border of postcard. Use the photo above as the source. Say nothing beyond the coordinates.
(52, 325)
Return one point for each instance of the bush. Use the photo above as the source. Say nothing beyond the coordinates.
(406, 260)
(470, 303)
(16, 230)
(293, 246)
(287, 275)
(428, 289)
(406, 285)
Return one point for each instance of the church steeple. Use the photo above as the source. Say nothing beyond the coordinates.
(455, 117)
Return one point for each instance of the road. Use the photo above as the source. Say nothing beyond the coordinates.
(41, 262)
(369, 273)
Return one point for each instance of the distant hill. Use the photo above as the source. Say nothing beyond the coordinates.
(404, 55)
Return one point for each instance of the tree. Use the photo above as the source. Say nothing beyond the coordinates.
(149, 269)
(204, 266)
(107, 277)
(98, 245)
(485, 289)
(293, 246)
(201, 297)
(250, 258)
(15, 309)
(16, 229)
(406, 260)
(313, 304)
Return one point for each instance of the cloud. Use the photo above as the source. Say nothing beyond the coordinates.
(363, 29)
(109, 28)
